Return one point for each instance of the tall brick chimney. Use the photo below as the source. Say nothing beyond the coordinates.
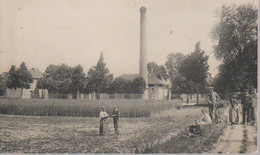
(143, 55)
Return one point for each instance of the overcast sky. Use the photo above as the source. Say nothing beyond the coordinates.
(43, 32)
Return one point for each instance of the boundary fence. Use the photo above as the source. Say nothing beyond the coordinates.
(87, 96)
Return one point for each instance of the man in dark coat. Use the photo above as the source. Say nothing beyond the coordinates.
(213, 99)
(115, 116)
(246, 102)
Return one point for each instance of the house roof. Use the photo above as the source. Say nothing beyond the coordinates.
(151, 79)
(36, 74)
(129, 76)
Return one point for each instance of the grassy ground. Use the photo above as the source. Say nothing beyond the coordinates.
(160, 133)
(48, 134)
(182, 143)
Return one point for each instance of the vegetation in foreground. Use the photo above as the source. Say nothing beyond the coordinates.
(34, 134)
(182, 143)
(83, 108)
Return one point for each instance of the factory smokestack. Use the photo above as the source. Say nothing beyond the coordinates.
(143, 55)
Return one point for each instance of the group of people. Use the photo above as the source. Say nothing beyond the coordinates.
(207, 118)
(243, 111)
(245, 108)
(103, 116)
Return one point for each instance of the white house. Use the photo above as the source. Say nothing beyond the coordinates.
(32, 91)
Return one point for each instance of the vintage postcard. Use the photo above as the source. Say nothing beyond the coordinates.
(128, 76)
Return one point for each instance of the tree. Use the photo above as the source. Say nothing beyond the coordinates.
(99, 78)
(181, 85)
(157, 71)
(152, 68)
(172, 64)
(19, 78)
(63, 79)
(235, 37)
(24, 76)
(78, 79)
(57, 79)
(2, 85)
(194, 69)
(225, 77)
(11, 80)
(163, 73)
(120, 85)
(138, 85)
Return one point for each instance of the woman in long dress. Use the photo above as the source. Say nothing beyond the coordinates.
(233, 110)
(103, 128)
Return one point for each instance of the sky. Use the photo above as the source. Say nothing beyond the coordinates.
(44, 32)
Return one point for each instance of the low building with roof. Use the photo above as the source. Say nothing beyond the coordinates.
(157, 89)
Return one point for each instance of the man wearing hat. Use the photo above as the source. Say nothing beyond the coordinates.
(212, 103)
(246, 102)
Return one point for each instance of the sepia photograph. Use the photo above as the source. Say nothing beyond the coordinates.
(128, 77)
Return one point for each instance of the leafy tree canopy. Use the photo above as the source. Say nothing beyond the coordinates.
(194, 68)
(138, 85)
(2, 84)
(235, 37)
(172, 64)
(19, 78)
(99, 77)
(63, 79)
(157, 71)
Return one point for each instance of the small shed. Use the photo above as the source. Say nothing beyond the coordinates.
(157, 89)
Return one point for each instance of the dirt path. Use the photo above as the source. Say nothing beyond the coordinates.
(237, 139)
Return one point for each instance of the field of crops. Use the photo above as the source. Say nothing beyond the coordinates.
(83, 108)
(48, 134)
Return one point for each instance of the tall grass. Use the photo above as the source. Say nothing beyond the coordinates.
(82, 108)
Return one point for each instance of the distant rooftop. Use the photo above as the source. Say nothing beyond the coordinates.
(36, 74)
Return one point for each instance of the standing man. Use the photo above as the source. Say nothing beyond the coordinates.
(115, 116)
(212, 103)
(246, 102)
(103, 121)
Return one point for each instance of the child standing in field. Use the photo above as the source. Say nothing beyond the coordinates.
(103, 121)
